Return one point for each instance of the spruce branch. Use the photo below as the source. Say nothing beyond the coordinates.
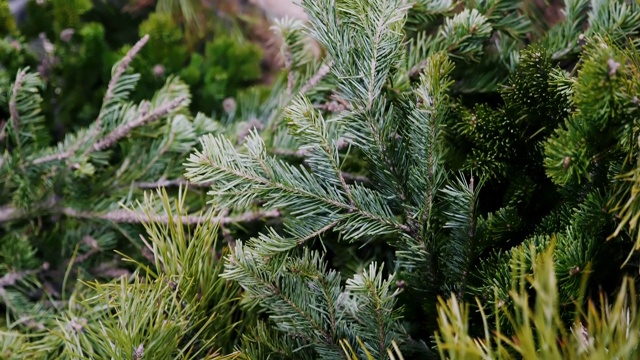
(239, 179)
(243, 267)
(120, 68)
(123, 131)
(113, 87)
(13, 104)
(375, 309)
(120, 132)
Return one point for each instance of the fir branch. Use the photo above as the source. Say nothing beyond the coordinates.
(122, 66)
(123, 131)
(120, 132)
(462, 198)
(119, 70)
(242, 264)
(241, 179)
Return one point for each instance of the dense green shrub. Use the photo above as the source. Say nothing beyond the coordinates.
(76, 43)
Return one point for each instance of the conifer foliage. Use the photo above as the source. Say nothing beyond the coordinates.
(447, 178)
(462, 188)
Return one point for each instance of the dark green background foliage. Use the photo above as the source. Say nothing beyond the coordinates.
(86, 39)
(441, 179)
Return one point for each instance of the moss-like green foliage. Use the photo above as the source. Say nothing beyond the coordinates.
(67, 13)
(75, 57)
(166, 44)
(225, 67)
(7, 22)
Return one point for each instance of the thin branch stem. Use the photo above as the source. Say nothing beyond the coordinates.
(306, 194)
(169, 183)
(319, 232)
(123, 66)
(315, 79)
(8, 212)
(124, 130)
(342, 144)
(354, 178)
(127, 216)
(3, 134)
(287, 152)
(11, 278)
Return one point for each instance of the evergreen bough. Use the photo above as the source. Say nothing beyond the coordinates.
(438, 154)
(430, 152)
